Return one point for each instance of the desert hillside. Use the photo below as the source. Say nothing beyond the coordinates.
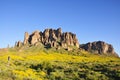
(57, 55)
(39, 63)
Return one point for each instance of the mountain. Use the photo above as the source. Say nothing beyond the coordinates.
(50, 38)
(56, 55)
(66, 40)
(99, 47)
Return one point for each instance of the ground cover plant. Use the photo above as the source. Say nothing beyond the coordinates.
(37, 63)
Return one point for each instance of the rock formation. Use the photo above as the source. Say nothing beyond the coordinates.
(67, 40)
(26, 37)
(51, 38)
(18, 44)
(99, 47)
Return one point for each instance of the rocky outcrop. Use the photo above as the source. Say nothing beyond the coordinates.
(51, 38)
(18, 44)
(34, 38)
(99, 47)
(67, 40)
(26, 37)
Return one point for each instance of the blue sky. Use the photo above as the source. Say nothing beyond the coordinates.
(91, 20)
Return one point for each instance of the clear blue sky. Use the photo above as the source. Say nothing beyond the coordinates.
(91, 20)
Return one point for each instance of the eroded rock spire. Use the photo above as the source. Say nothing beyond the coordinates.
(51, 37)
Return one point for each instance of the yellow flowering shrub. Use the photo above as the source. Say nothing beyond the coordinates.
(42, 73)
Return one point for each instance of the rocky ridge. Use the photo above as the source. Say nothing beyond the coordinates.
(99, 47)
(58, 39)
(50, 38)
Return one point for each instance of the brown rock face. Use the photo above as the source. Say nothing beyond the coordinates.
(35, 37)
(18, 44)
(59, 33)
(26, 37)
(69, 39)
(99, 47)
(52, 37)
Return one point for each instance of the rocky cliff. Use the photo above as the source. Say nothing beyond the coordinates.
(50, 38)
(67, 40)
(99, 47)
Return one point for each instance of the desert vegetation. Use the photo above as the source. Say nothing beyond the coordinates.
(37, 63)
